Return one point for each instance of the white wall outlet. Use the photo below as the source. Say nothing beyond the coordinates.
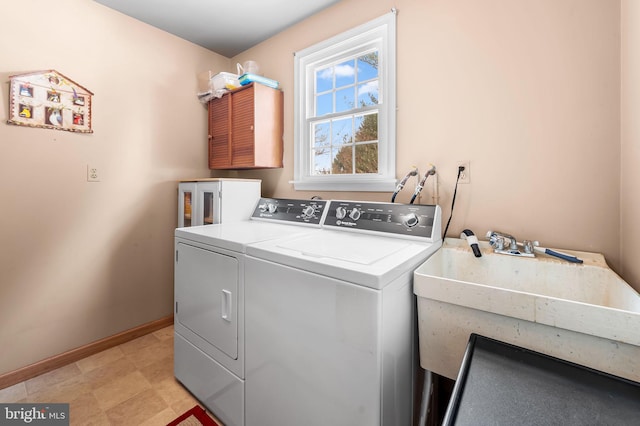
(465, 175)
(92, 173)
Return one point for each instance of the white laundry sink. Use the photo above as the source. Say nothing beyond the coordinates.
(583, 313)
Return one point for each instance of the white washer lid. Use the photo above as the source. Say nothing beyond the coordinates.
(361, 249)
(369, 260)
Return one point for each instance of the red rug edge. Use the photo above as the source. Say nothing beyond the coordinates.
(199, 413)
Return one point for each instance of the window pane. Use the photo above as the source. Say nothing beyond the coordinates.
(367, 158)
(342, 131)
(324, 104)
(322, 161)
(368, 94)
(321, 148)
(324, 79)
(366, 127)
(368, 66)
(345, 73)
(345, 99)
(342, 160)
(320, 132)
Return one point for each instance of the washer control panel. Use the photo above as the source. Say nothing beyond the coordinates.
(294, 211)
(400, 219)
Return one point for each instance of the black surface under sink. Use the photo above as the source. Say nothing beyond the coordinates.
(503, 384)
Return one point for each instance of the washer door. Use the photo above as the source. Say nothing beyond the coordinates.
(206, 291)
(313, 353)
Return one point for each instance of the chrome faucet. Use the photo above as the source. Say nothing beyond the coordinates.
(497, 240)
(507, 244)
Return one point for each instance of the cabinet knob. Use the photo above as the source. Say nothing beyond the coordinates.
(251, 127)
(210, 137)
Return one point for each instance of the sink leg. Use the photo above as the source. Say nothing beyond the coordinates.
(426, 393)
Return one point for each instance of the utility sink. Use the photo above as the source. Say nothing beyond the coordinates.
(584, 313)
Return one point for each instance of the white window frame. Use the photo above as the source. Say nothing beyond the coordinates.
(380, 32)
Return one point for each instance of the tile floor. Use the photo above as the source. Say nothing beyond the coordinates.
(130, 384)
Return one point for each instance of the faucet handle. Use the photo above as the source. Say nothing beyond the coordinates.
(528, 246)
(496, 241)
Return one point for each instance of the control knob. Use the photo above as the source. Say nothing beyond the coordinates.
(308, 212)
(411, 220)
(270, 207)
(341, 213)
(354, 214)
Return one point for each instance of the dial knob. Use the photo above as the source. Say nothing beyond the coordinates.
(270, 207)
(411, 220)
(341, 212)
(354, 214)
(308, 212)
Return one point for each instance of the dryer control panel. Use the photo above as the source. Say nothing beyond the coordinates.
(399, 219)
(292, 211)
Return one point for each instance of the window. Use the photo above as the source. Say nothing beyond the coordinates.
(345, 111)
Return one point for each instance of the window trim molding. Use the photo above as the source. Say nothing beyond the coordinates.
(383, 28)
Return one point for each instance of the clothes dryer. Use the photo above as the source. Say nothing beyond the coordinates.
(209, 348)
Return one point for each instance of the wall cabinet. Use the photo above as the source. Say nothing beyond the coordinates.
(245, 129)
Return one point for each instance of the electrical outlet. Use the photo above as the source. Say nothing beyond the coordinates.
(465, 175)
(92, 173)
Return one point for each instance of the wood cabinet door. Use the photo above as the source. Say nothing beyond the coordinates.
(243, 128)
(219, 132)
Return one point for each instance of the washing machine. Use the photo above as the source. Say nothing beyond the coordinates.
(209, 344)
(330, 320)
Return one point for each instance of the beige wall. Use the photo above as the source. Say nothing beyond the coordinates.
(81, 261)
(630, 137)
(527, 91)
